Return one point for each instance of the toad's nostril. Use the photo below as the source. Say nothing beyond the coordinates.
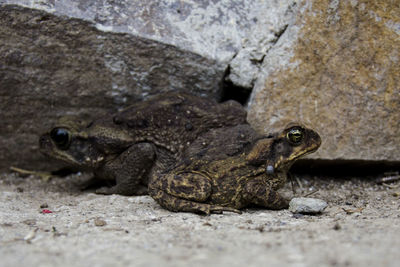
(44, 141)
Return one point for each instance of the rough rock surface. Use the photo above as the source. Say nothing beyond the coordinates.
(221, 30)
(336, 68)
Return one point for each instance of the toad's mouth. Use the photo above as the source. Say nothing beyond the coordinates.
(285, 164)
(49, 149)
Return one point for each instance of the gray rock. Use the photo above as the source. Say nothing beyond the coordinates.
(219, 30)
(273, 19)
(306, 205)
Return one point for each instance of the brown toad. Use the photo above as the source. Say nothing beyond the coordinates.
(230, 168)
(143, 139)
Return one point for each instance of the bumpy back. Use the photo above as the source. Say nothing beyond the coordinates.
(174, 120)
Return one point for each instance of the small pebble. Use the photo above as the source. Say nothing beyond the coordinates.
(44, 206)
(99, 222)
(306, 205)
(30, 222)
(337, 227)
(260, 228)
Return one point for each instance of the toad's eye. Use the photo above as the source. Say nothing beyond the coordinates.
(60, 137)
(295, 136)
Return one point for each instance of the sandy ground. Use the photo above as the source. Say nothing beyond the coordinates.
(360, 227)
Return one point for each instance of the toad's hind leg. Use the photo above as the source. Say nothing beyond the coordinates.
(187, 185)
(177, 204)
(185, 192)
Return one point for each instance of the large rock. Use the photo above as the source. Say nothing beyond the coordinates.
(237, 33)
(336, 68)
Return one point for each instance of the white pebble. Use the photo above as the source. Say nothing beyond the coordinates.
(306, 205)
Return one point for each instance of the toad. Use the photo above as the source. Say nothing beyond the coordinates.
(231, 168)
(145, 138)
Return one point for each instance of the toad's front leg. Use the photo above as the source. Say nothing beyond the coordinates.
(187, 192)
(130, 171)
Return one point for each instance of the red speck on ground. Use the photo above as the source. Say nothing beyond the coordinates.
(47, 211)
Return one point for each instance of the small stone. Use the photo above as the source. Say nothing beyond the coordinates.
(100, 222)
(30, 222)
(337, 227)
(305, 205)
(260, 228)
(44, 206)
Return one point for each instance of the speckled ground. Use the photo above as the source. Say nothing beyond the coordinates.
(360, 227)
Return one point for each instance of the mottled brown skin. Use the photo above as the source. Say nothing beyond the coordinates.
(144, 139)
(230, 168)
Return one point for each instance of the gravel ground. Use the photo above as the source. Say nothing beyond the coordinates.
(360, 227)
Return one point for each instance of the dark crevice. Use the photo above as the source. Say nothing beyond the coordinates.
(257, 61)
(281, 31)
(230, 91)
(345, 168)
